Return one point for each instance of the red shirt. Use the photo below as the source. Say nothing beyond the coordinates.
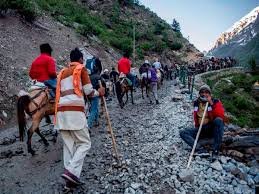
(214, 111)
(124, 65)
(43, 68)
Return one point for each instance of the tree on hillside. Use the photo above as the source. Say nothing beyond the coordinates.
(176, 26)
(128, 2)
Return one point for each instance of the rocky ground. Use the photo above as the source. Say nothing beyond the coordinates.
(154, 158)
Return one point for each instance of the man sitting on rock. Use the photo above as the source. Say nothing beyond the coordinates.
(213, 124)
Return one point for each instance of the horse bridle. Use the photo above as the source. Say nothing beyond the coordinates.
(38, 107)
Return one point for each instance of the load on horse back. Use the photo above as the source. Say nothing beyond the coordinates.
(122, 87)
(36, 104)
(144, 78)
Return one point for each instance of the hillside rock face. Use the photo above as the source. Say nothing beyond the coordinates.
(19, 45)
(20, 40)
(241, 40)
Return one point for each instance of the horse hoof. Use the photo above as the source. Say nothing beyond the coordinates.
(32, 152)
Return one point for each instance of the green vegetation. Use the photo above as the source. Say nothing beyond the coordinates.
(114, 28)
(236, 94)
(26, 8)
(252, 63)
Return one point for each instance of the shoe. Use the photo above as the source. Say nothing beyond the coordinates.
(68, 176)
(157, 102)
(202, 153)
(214, 156)
(68, 188)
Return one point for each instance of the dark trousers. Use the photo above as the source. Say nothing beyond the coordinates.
(213, 130)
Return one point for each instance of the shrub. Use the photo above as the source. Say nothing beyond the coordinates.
(146, 46)
(242, 102)
(158, 29)
(252, 63)
(175, 46)
(159, 46)
(26, 8)
(140, 53)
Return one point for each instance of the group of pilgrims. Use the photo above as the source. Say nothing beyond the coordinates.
(79, 81)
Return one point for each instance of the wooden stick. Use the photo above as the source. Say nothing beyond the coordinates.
(198, 134)
(109, 126)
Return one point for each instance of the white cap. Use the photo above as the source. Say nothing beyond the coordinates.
(146, 61)
(106, 70)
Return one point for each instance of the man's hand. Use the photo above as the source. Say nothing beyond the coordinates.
(101, 91)
(210, 99)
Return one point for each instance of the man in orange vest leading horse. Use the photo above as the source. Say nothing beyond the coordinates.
(73, 83)
(43, 69)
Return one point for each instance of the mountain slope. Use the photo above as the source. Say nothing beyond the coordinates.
(102, 28)
(241, 40)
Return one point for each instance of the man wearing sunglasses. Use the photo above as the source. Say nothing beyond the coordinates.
(213, 124)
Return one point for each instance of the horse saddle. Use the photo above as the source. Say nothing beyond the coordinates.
(41, 87)
(126, 80)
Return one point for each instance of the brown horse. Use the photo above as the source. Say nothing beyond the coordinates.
(144, 83)
(122, 87)
(37, 105)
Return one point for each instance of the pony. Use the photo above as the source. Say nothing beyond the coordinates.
(36, 104)
(122, 87)
(144, 83)
(160, 77)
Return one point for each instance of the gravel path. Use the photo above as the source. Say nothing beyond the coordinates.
(154, 156)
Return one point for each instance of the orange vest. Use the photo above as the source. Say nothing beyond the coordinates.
(76, 83)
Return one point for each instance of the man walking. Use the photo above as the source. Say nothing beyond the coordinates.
(73, 83)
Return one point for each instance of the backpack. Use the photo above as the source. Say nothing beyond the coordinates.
(90, 65)
(93, 65)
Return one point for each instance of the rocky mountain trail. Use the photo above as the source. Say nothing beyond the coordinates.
(154, 157)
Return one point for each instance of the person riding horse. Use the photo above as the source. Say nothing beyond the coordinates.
(43, 70)
(124, 66)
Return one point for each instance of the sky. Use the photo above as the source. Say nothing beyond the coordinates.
(202, 20)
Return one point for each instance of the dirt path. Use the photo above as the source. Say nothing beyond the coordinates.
(148, 139)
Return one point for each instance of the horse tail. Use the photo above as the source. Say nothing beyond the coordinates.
(22, 105)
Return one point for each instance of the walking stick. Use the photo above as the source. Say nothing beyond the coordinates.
(198, 134)
(109, 126)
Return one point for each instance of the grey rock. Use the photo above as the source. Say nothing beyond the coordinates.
(177, 184)
(250, 181)
(242, 182)
(186, 175)
(237, 190)
(216, 165)
(229, 167)
(223, 159)
(232, 127)
(135, 185)
(256, 179)
(254, 171)
(234, 182)
(239, 173)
